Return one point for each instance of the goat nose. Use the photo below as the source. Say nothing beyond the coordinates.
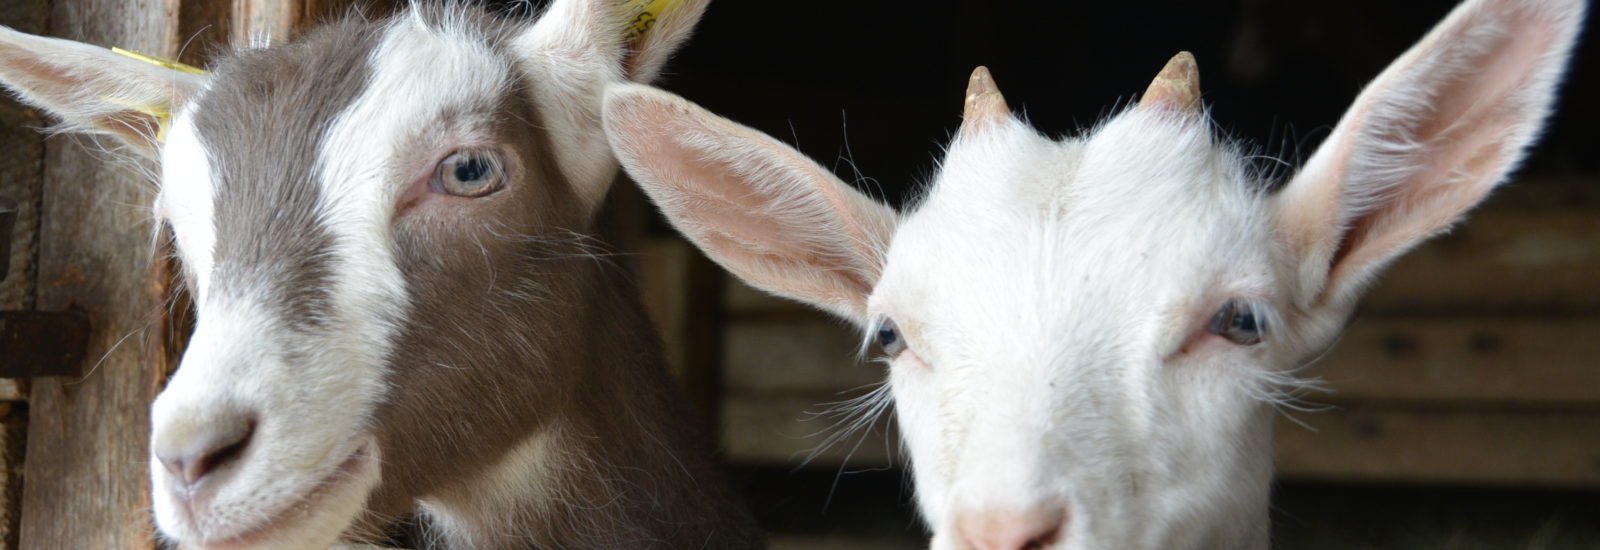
(1030, 529)
(192, 450)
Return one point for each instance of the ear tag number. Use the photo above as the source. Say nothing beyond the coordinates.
(641, 16)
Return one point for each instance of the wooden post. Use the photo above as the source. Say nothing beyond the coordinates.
(21, 172)
(85, 478)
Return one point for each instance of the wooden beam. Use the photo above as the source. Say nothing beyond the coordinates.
(22, 167)
(262, 22)
(784, 429)
(21, 177)
(809, 353)
(680, 288)
(1534, 362)
(13, 442)
(86, 484)
(1544, 261)
(1373, 443)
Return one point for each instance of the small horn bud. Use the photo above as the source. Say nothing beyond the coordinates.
(1176, 87)
(984, 106)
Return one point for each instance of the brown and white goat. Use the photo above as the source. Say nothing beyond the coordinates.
(1086, 337)
(385, 227)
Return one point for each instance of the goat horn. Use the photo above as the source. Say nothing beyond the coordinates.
(1176, 87)
(984, 106)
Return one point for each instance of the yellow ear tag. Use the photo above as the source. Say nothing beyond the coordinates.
(160, 61)
(641, 16)
(163, 117)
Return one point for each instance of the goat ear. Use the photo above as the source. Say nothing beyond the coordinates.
(95, 90)
(656, 28)
(1425, 142)
(758, 207)
(636, 36)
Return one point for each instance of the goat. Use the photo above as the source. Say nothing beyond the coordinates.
(386, 228)
(1086, 338)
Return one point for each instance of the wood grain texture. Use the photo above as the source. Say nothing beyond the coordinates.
(1500, 260)
(680, 287)
(22, 166)
(784, 429)
(1507, 448)
(21, 177)
(13, 443)
(264, 22)
(86, 468)
(1528, 362)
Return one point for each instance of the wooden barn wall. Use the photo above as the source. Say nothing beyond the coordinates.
(1472, 362)
(21, 174)
(87, 436)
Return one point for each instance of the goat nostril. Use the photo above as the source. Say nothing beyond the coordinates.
(207, 452)
(1035, 529)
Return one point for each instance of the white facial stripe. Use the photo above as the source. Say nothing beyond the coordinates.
(414, 74)
(417, 72)
(187, 198)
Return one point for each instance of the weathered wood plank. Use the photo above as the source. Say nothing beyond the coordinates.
(810, 353)
(663, 274)
(86, 482)
(1500, 448)
(784, 429)
(1500, 260)
(22, 167)
(21, 176)
(1534, 362)
(264, 21)
(13, 443)
(680, 286)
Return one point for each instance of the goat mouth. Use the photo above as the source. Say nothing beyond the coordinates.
(284, 516)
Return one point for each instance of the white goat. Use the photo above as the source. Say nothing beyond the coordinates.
(1086, 337)
(385, 226)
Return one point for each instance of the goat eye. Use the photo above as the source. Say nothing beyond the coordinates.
(1236, 322)
(889, 339)
(469, 174)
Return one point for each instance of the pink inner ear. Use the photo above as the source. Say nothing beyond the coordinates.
(760, 209)
(1463, 146)
(39, 73)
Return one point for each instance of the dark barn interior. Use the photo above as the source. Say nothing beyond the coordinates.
(1465, 411)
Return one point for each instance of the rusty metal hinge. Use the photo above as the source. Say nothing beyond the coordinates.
(37, 343)
(42, 343)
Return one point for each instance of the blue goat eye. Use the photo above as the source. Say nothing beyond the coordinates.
(889, 339)
(472, 173)
(1238, 323)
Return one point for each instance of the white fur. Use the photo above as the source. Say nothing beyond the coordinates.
(1055, 296)
(187, 200)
